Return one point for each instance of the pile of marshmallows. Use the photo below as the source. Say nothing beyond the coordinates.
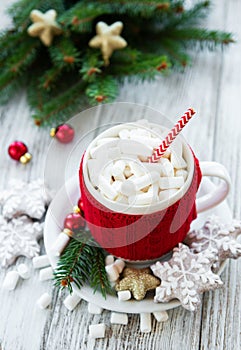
(120, 170)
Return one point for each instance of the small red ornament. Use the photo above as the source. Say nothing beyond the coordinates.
(74, 221)
(19, 151)
(81, 205)
(64, 133)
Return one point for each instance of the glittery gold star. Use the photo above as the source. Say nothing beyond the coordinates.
(108, 39)
(138, 281)
(44, 26)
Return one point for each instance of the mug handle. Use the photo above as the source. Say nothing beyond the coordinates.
(216, 196)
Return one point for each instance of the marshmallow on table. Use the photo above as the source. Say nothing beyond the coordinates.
(44, 301)
(97, 330)
(112, 272)
(72, 301)
(166, 183)
(145, 322)
(166, 194)
(23, 271)
(109, 259)
(46, 274)
(119, 264)
(124, 295)
(60, 244)
(161, 316)
(119, 318)
(94, 309)
(40, 261)
(10, 281)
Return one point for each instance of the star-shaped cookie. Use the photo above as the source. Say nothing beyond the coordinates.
(184, 277)
(18, 237)
(22, 198)
(108, 39)
(218, 238)
(137, 281)
(44, 26)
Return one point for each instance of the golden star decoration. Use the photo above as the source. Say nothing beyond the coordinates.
(138, 282)
(108, 39)
(44, 26)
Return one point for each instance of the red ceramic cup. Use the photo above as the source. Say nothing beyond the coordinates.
(141, 233)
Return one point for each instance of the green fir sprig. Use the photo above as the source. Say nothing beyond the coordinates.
(82, 261)
(68, 76)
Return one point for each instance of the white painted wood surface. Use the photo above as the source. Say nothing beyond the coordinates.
(213, 87)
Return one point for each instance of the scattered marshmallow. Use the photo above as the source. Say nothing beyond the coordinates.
(60, 244)
(124, 295)
(94, 309)
(166, 183)
(112, 272)
(119, 318)
(23, 271)
(46, 274)
(160, 316)
(72, 301)
(145, 322)
(109, 259)
(44, 301)
(11, 280)
(97, 330)
(119, 264)
(40, 261)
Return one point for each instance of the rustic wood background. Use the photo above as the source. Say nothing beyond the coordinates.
(212, 85)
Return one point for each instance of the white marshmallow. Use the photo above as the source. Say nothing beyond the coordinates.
(106, 188)
(124, 134)
(121, 199)
(121, 164)
(171, 182)
(161, 316)
(109, 259)
(137, 169)
(119, 318)
(142, 199)
(117, 185)
(94, 309)
(124, 295)
(127, 172)
(176, 147)
(40, 261)
(120, 264)
(101, 151)
(72, 301)
(166, 194)
(181, 172)
(167, 169)
(23, 271)
(106, 140)
(150, 141)
(97, 330)
(94, 168)
(46, 274)
(60, 244)
(145, 322)
(158, 167)
(131, 186)
(134, 147)
(128, 188)
(112, 272)
(114, 153)
(178, 162)
(140, 132)
(117, 173)
(10, 281)
(44, 301)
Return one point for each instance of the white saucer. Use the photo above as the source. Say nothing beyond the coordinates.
(62, 205)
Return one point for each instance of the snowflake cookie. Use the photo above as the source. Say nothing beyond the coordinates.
(185, 276)
(18, 237)
(23, 198)
(217, 238)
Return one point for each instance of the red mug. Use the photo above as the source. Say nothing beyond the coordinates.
(145, 233)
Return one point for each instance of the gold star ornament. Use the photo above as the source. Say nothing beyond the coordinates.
(138, 282)
(108, 39)
(44, 26)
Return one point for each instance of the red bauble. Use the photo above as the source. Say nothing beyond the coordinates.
(64, 133)
(81, 205)
(19, 151)
(74, 222)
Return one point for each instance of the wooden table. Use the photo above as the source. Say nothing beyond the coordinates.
(212, 85)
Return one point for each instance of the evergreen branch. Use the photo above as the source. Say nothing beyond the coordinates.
(175, 51)
(64, 54)
(81, 262)
(103, 89)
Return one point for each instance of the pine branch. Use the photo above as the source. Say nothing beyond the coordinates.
(82, 262)
(103, 89)
(64, 54)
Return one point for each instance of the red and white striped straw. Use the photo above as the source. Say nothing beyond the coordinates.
(158, 153)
